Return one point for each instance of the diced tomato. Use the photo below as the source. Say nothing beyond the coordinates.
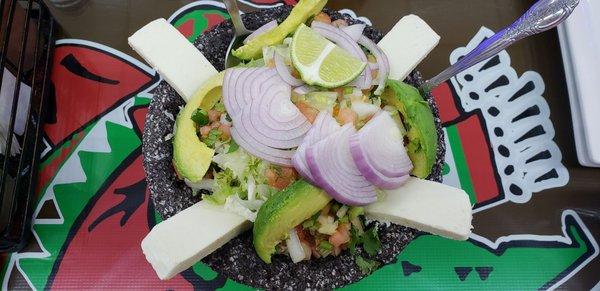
(346, 115)
(280, 179)
(309, 112)
(205, 130)
(214, 115)
(225, 131)
(322, 17)
(289, 173)
(215, 125)
(341, 236)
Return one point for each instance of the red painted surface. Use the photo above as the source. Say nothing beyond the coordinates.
(479, 161)
(445, 102)
(105, 257)
(187, 28)
(213, 20)
(79, 100)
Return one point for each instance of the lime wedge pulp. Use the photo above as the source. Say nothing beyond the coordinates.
(321, 62)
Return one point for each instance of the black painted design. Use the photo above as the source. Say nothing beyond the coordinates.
(463, 272)
(493, 111)
(74, 66)
(134, 198)
(408, 268)
(491, 63)
(531, 111)
(502, 81)
(515, 189)
(484, 272)
(503, 150)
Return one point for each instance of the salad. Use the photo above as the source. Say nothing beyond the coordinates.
(311, 139)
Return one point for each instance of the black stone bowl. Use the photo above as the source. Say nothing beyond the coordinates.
(237, 259)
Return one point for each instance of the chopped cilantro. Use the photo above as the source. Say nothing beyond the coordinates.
(366, 266)
(200, 117)
(233, 146)
(212, 138)
(371, 242)
(354, 240)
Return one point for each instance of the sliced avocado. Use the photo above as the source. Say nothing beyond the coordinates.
(304, 10)
(284, 211)
(191, 157)
(419, 122)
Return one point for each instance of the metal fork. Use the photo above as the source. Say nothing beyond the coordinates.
(239, 30)
(542, 16)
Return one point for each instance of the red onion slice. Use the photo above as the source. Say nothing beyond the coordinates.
(323, 126)
(383, 63)
(368, 171)
(345, 42)
(275, 156)
(379, 148)
(265, 121)
(273, 119)
(331, 164)
(284, 71)
(354, 31)
(268, 26)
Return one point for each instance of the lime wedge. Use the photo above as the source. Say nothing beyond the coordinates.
(321, 62)
(304, 10)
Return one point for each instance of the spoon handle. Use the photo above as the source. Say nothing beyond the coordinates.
(234, 12)
(542, 16)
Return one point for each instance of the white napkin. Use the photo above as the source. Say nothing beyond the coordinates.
(6, 97)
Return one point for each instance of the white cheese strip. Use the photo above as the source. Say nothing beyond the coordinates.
(173, 56)
(407, 44)
(182, 240)
(427, 206)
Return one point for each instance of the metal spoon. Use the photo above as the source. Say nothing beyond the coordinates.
(542, 16)
(239, 30)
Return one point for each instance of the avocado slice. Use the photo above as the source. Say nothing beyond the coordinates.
(284, 211)
(304, 10)
(419, 122)
(191, 157)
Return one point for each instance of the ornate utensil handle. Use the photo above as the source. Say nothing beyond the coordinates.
(543, 15)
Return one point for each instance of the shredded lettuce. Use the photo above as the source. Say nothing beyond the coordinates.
(242, 176)
(225, 185)
(236, 161)
(243, 208)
